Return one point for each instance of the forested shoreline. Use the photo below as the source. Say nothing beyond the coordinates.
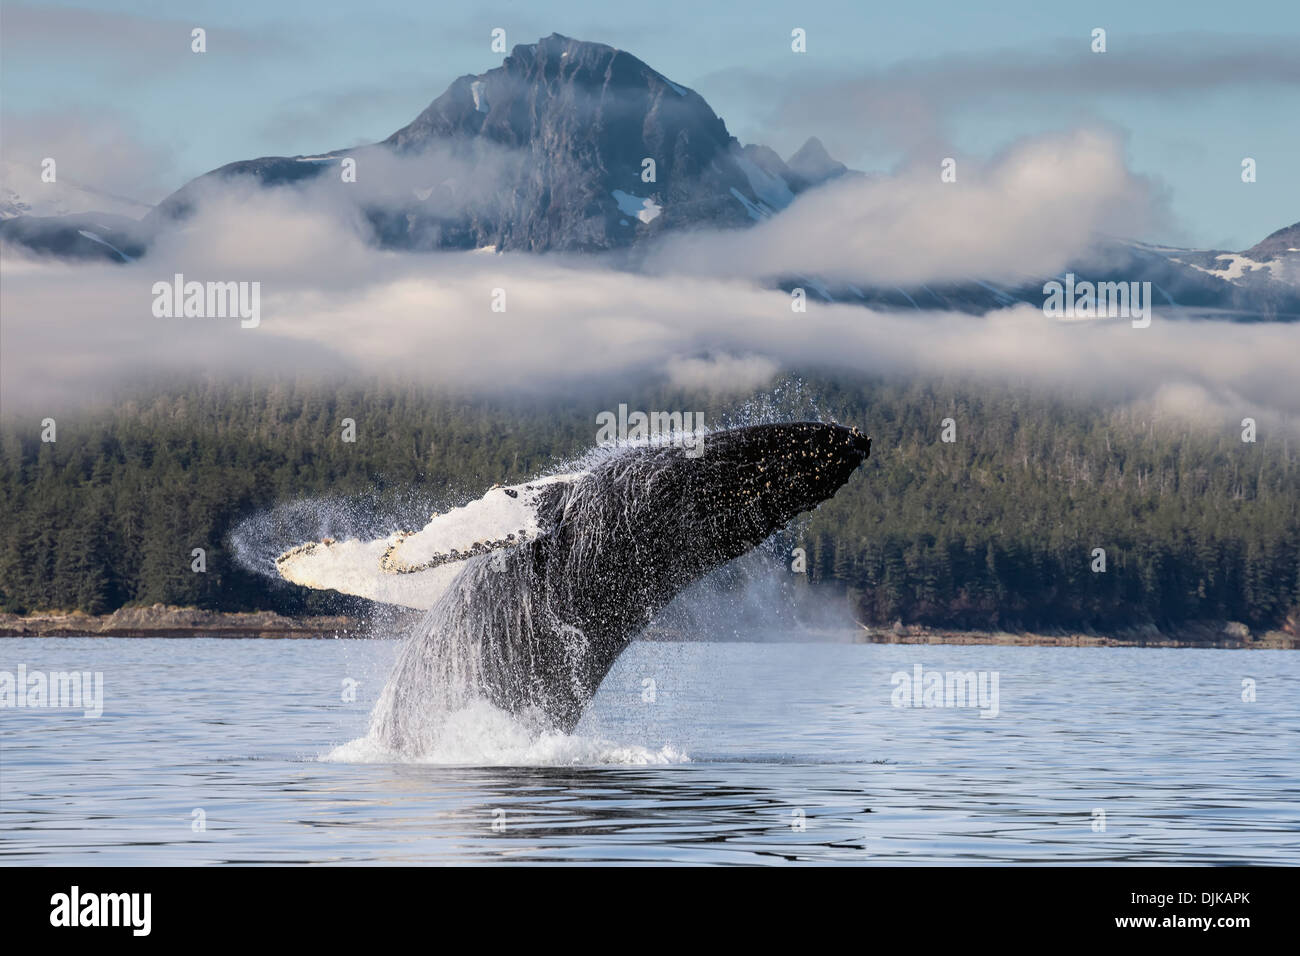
(996, 529)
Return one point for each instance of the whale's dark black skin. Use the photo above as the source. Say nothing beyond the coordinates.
(544, 622)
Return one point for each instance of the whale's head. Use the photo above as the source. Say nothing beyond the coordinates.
(750, 482)
(652, 519)
(644, 524)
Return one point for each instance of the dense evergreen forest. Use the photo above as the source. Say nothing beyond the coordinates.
(995, 529)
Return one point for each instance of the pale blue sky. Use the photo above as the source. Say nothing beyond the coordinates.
(1194, 85)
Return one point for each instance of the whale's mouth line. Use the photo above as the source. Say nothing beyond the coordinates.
(531, 592)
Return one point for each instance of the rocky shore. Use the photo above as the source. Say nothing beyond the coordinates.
(166, 621)
(1224, 634)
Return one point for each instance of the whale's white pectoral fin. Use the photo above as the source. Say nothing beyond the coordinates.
(414, 568)
(353, 567)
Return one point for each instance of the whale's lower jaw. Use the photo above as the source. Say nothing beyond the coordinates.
(534, 629)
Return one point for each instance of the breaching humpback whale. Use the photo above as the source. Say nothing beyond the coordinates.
(552, 579)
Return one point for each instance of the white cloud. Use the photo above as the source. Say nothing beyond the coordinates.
(102, 163)
(1024, 213)
(334, 306)
(722, 374)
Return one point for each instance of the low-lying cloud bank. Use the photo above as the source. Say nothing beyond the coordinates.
(69, 330)
(332, 304)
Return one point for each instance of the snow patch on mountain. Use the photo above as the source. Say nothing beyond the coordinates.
(1236, 266)
(477, 89)
(647, 210)
(755, 212)
(103, 242)
(772, 190)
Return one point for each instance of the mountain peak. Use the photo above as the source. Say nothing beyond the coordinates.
(591, 82)
(1281, 243)
(567, 145)
(604, 148)
(812, 164)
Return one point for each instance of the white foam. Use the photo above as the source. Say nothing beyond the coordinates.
(481, 735)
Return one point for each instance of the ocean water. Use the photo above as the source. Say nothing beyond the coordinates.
(246, 751)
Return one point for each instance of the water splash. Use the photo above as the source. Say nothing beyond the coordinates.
(496, 668)
(503, 632)
(481, 735)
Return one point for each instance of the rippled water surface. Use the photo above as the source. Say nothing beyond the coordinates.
(696, 753)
